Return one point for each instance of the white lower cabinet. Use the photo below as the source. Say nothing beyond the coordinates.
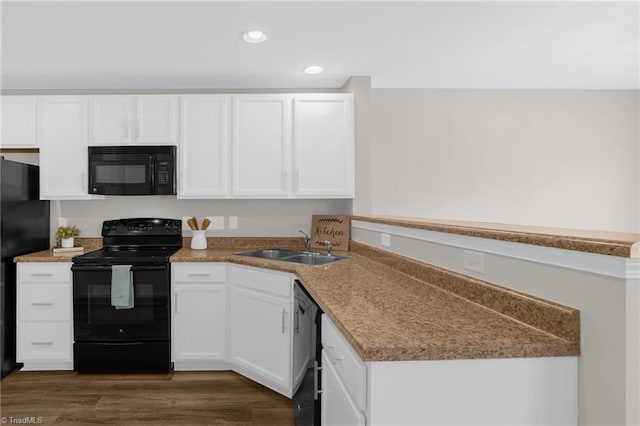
(344, 380)
(199, 326)
(228, 317)
(44, 316)
(522, 391)
(260, 333)
(338, 407)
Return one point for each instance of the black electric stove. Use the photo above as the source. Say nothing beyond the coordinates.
(107, 338)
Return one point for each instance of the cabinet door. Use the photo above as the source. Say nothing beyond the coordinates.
(199, 328)
(260, 338)
(111, 120)
(261, 141)
(19, 122)
(203, 146)
(155, 122)
(323, 145)
(44, 341)
(63, 150)
(338, 409)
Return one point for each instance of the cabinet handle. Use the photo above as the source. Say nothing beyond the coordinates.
(42, 343)
(316, 384)
(42, 304)
(48, 274)
(199, 275)
(284, 313)
(297, 321)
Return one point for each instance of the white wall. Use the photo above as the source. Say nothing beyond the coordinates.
(536, 157)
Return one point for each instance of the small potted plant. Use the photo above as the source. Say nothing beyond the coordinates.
(66, 234)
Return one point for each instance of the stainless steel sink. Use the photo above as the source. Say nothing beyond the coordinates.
(297, 256)
(270, 253)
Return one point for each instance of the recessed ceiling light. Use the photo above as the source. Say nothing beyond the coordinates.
(313, 69)
(254, 36)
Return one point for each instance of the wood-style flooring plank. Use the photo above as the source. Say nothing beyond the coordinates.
(177, 398)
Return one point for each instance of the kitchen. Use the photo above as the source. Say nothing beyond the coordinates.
(542, 136)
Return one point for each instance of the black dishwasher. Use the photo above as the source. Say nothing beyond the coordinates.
(306, 400)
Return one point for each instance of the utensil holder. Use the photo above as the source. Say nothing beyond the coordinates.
(198, 240)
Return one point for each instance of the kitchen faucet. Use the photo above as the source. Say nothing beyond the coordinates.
(307, 240)
(329, 246)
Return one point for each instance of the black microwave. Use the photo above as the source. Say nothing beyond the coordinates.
(132, 170)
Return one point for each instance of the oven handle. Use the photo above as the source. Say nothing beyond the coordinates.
(135, 268)
(119, 343)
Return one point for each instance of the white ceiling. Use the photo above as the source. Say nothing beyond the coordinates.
(447, 44)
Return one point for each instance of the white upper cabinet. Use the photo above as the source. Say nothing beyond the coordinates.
(261, 146)
(123, 120)
(63, 148)
(323, 141)
(204, 144)
(111, 120)
(230, 146)
(19, 122)
(156, 118)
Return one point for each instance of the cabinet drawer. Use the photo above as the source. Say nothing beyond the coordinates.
(44, 302)
(44, 271)
(261, 280)
(44, 342)
(345, 361)
(199, 272)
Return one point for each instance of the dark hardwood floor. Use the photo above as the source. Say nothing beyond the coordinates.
(179, 398)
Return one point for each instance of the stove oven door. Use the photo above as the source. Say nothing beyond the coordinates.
(95, 320)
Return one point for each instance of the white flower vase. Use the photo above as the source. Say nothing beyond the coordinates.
(198, 240)
(66, 242)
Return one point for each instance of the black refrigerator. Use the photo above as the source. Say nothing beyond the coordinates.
(24, 228)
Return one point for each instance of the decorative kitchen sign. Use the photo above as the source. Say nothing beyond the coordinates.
(330, 228)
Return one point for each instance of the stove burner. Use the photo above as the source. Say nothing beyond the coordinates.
(136, 241)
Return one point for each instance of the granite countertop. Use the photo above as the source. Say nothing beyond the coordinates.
(599, 242)
(392, 308)
(391, 314)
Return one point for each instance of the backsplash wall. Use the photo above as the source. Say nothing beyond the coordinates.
(258, 218)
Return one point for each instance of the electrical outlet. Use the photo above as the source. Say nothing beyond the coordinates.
(473, 261)
(233, 222)
(185, 227)
(62, 221)
(385, 240)
(217, 223)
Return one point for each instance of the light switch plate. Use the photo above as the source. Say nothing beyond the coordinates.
(233, 222)
(474, 261)
(62, 221)
(385, 240)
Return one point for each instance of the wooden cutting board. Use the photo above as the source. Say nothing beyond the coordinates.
(333, 228)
